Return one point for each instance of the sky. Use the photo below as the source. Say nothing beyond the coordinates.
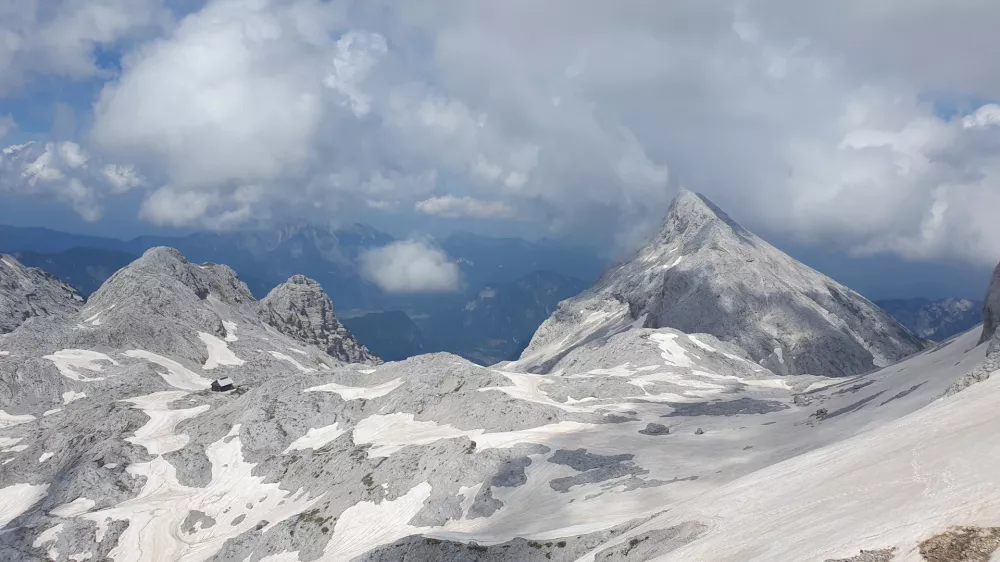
(862, 129)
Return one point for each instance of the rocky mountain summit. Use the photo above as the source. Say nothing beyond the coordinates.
(26, 292)
(299, 308)
(643, 444)
(704, 273)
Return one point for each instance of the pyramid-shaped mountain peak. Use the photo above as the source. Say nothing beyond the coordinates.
(704, 273)
(692, 214)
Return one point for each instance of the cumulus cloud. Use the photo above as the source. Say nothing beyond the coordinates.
(455, 207)
(63, 171)
(60, 37)
(412, 266)
(832, 125)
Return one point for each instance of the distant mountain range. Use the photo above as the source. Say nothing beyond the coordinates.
(526, 278)
(935, 320)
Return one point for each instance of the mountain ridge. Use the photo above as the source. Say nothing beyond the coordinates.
(704, 273)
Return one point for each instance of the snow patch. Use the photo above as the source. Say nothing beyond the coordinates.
(282, 357)
(357, 392)
(177, 375)
(354, 534)
(10, 445)
(230, 331)
(299, 351)
(45, 456)
(157, 435)
(79, 506)
(317, 438)
(218, 352)
(70, 396)
(701, 344)
(157, 514)
(672, 352)
(16, 499)
(10, 420)
(67, 361)
(48, 413)
(4, 353)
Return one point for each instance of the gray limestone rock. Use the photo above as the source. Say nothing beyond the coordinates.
(704, 273)
(301, 309)
(991, 308)
(27, 292)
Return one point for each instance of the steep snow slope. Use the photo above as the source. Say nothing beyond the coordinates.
(704, 273)
(26, 292)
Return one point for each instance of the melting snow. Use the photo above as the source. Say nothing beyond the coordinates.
(672, 352)
(79, 506)
(16, 499)
(158, 436)
(177, 375)
(10, 445)
(10, 420)
(70, 396)
(48, 536)
(317, 438)
(358, 392)
(157, 514)
(526, 387)
(218, 352)
(354, 534)
(230, 331)
(294, 363)
(69, 360)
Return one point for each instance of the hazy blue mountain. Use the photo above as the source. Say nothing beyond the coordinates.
(937, 319)
(466, 322)
(497, 323)
(487, 260)
(391, 335)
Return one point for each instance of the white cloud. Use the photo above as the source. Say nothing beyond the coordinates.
(412, 266)
(60, 170)
(845, 126)
(60, 37)
(454, 207)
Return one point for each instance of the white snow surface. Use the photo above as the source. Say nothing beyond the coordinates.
(79, 506)
(46, 456)
(357, 392)
(71, 395)
(4, 353)
(282, 357)
(16, 499)
(70, 361)
(156, 515)
(10, 420)
(218, 352)
(317, 437)
(177, 375)
(230, 331)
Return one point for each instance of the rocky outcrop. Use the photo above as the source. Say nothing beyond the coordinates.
(704, 273)
(301, 309)
(991, 308)
(26, 292)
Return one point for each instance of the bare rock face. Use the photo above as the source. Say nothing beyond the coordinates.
(991, 308)
(704, 273)
(27, 292)
(299, 308)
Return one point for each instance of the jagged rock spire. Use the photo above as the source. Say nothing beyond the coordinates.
(301, 309)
